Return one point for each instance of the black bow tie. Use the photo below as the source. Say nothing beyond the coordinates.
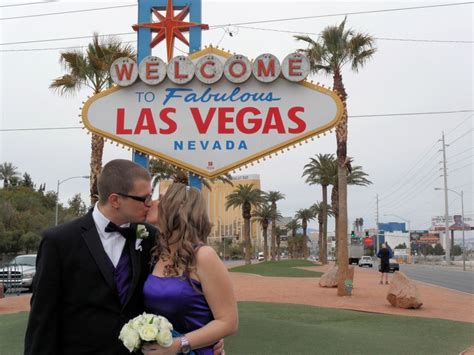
(127, 232)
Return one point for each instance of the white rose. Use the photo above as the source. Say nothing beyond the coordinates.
(164, 323)
(136, 323)
(130, 338)
(148, 332)
(148, 318)
(164, 338)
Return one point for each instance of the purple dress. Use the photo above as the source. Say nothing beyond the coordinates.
(178, 301)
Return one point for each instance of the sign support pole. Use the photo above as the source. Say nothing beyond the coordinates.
(144, 50)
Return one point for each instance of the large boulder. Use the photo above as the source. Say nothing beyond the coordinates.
(403, 292)
(329, 279)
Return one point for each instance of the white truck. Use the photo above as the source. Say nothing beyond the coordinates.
(355, 251)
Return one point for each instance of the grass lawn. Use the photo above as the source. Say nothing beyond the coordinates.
(269, 328)
(283, 268)
(12, 333)
(285, 329)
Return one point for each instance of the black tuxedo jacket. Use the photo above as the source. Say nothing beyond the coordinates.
(75, 308)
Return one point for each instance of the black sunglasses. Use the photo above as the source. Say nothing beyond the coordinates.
(146, 200)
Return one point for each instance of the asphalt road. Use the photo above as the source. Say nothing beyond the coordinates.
(438, 275)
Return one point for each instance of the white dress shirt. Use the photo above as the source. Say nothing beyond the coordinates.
(113, 242)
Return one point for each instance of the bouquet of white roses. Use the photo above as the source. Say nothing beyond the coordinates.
(146, 328)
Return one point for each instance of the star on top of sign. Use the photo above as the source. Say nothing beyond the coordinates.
(169, 27)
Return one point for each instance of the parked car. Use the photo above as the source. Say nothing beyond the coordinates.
(260, 256)
(366, 261)
(19, 272)
(393, 264)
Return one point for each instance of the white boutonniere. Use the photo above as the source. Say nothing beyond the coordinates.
(142, 233)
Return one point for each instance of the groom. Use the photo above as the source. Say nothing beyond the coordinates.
(90, 271)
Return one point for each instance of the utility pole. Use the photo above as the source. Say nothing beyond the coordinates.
(376, 249)
(463, 228)
(446, 211)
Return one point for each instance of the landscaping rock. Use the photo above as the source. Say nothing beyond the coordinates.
(403, 292)
(329, 279)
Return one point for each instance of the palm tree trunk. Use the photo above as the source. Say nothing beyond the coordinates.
(324, 260)
(341, 137)
(305, 242)
(335, 203)
(247, 241)
(277, 238)
(97, 148)
(265, 243)
(343, 257)
(320, 241)
(293, 246)
(273, 247)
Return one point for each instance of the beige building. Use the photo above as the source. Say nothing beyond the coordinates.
(227, 223)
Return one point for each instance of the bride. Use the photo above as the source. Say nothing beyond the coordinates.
(189, 284)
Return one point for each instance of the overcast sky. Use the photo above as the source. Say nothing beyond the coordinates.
(400, 153)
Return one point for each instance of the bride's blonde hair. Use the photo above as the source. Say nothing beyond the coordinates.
(182, 219)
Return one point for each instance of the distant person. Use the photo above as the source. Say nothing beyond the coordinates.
(385, 253)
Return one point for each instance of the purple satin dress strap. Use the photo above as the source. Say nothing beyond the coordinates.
(183, 304)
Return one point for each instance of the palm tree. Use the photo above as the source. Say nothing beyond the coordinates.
(305, 214)
(273, 197)
(91, 69)
(8, 173)
(264, 214)
(320, 209)
(320, 171)
(245, 196)
(336, 47)
(279, 231)
(293, 226)
(161, 170)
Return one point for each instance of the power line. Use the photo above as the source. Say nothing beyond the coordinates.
(413, 113)
(462, 167)
(66, 12)
(416, 191)
(343, 14)
(460, 160)
(464, 151)
(462, 122)
(251, 22)
(29, 3)
(67, 38)
(413, 188)
(37, 129)
(412, 171)
(461, 136)
(52, 48)
(377, 38)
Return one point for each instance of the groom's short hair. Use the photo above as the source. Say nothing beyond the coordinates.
(118, 176)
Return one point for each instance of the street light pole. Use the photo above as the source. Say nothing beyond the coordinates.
(57, 193)
(462, 217)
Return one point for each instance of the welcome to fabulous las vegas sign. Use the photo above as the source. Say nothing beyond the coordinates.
(212, 112)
